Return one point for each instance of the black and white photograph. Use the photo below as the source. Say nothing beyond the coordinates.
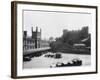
(56, 39)
(53, 39)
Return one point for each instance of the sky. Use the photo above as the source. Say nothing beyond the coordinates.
(52, 24)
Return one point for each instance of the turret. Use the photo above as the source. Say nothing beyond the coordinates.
(36, 29)
(25, 34)
(40, 30)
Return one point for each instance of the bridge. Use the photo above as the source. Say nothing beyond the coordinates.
(36, 51)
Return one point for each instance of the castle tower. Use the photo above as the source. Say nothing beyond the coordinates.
(31, 29)
(25, 34)
(36, 40)
(40, 30)
(36, 29)
(40, 36)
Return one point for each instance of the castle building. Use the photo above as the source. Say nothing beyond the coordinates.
(36, 35)
(32, 42)
(65, 31)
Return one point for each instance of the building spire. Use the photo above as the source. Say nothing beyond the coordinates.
(40, 30)
(32, 29)
(36, 29)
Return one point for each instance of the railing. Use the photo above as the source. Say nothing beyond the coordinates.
(25, 52)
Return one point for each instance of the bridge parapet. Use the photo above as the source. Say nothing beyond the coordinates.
(26, 52)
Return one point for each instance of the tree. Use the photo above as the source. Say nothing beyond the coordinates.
(69, 38)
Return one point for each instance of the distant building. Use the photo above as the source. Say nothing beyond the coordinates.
(51, 39)
(34, 41)
(87, 41)
(84, 44)
(65, 31)
(45, 43)
(28, 43)
(79, 46)
(36, 35)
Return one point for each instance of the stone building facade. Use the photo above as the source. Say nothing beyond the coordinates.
(32, 42)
